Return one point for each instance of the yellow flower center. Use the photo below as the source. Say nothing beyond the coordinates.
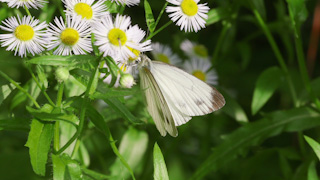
(189, 7)
(69, 36)
(123, 68)
(135, 52)
(117, 37)
(201, 50)
(164, 58)
(199, 74)
(84, 10)
(24, 32)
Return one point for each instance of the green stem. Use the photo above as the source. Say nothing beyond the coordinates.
(41, 87)
(160, 14)
(56, 140)
(277, 53)
(61, 9)
(219, 44)
(85, 101)
(159, 30)
(303, 68)
(27, 10)
(60, 95)
(20, 88)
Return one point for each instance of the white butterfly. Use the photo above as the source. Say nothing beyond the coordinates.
(173, 95)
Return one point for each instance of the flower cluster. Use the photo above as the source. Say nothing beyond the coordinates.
(88, 23)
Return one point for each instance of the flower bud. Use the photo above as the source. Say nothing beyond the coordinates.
(62, 74)
(127, 81)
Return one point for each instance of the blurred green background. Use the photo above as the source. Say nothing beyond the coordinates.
(231, 143)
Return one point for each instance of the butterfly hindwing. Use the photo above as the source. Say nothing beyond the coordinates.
(156, 104)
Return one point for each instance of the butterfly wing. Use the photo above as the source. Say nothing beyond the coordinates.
(185, 94)
(156, 104)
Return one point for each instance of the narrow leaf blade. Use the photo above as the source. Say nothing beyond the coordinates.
(149, 16)
(314, 144)
(160, 168)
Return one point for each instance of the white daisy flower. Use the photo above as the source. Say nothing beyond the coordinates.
(201, 69)
(25, 3)
(193, 49)
(87, 9)
(26, 35)
(164, 53)
(72, 38)
(127, 2)
(188, 14)
(118, 39)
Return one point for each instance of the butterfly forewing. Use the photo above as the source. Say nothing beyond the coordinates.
(156, 104)
(184, 93)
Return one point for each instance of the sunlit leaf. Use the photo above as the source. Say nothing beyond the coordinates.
(65, 168)
(266, 85)
(132, 147)
(39, 141)
(5, 91)
(218, 14)
(233, 109)
(314, 144)
(312, 171)
(149, 16)
(160, 168)
(66, 61)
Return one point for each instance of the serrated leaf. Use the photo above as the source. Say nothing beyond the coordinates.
(65, 168)
(133, 146)
(39, 141)
(48, 113)
(5, 91)
(256, 132)
(160, 168)
(66, 61)
(314, 144)
(266, 85)
(149, 16)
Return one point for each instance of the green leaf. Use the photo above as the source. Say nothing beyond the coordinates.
(218, 14)
(122, 110)
(160, 169)
(5, 91)
(100, 124)
(133, 146)
(314, 144)
(39, 141)
(259, 4)
(65, 168)
(114, 93)
(42, 76)
(48, 113)
(95, 175)
(253, 133)
(149, 16)
(66, 61)
(266, 85)
(233, 109)
(15, 124)
(312, 171)
(298, 13)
